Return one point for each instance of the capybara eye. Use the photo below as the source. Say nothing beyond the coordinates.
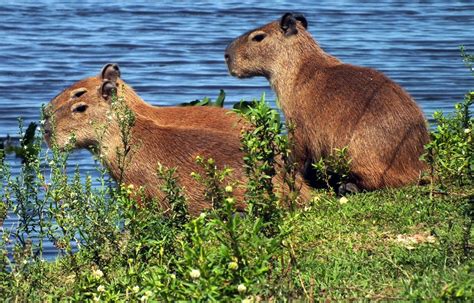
(79, 93)
(80, 108)
(259, 37)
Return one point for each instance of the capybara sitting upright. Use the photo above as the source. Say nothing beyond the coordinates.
(333, 104)
(86, 110)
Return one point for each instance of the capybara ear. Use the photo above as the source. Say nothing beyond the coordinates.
(301, 18)
(288, 23)
(108, 89)
(110, 71)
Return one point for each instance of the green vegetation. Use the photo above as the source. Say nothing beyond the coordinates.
(450, 153)
(26, 144)
(207, 101)
(413, 243)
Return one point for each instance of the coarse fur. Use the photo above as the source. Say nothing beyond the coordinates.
(86, 107)
(198, 117)
(333, 104)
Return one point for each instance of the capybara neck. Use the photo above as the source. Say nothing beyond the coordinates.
(293, 71)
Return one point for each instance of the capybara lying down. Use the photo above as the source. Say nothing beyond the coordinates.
(173, 138)
(334, 105)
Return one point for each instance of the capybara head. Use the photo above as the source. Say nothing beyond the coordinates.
(271, 47)
(79, 109)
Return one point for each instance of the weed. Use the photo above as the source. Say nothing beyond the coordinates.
(207, 101)
(450, 152)
(334, 169)
(263, 146)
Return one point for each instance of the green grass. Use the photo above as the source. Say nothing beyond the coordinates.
(339, 251)
(351, 250)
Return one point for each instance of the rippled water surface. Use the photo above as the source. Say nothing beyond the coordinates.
(172, 51)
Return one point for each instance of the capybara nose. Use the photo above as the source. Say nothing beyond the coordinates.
(227, 57)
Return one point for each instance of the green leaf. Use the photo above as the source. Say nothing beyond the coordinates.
(220, 99)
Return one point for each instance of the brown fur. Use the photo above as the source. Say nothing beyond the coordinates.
(174, 141)
(334, 105)
(207, 117)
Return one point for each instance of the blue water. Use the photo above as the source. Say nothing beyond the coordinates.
(172, 51)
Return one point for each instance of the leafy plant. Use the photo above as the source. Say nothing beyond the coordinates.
(207, 101)
(174, 195)
(334, 169)
(264, 147)
(450, 152)
(27, 147)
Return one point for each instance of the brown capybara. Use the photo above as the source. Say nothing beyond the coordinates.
(333, 104)
(86, 107)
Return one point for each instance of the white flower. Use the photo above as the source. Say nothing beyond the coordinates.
(343, 200)
(136, 289)
(195, 273)
(242, 288)
(228, 189)
(101, 288)
(97, 274)
(202, 215)
(467, 130)
(143, 298)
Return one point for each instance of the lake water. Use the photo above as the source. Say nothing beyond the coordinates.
(172, 51)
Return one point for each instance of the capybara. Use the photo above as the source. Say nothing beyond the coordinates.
(334, 105)
(86, 107)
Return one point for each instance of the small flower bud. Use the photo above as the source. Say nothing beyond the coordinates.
(148, 293)
(233, 265)
(241, 288)
(97, 274)
(195, 273)
(343, 200)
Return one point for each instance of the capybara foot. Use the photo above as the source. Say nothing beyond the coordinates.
(347, 189)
